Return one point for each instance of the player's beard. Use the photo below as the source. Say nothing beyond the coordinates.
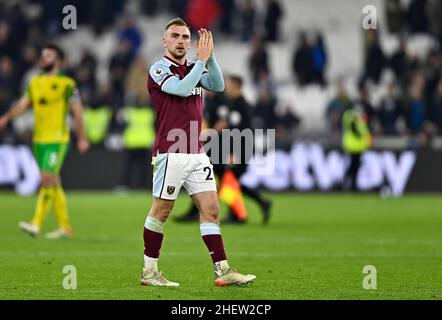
(177, 55)
(48, 67)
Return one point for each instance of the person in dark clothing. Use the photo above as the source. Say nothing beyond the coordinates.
(302, 63)
(264, 115)
(7, 47)
(395, 16)
(435, 114)
(247, 20)
(417, 17)
(375, 62)
(432, 75)
(368, 109)
(132, 34)
(336, 107)
(398, 61)
(231, 111)
(319, 56)
(416, 107)
(258, 61)
(228, 8)
(239, 117)
(389, 111)
(118, 69)
(272, 19)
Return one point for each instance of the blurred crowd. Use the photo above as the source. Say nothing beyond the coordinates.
(411, 97)
(411, 102)
(25, 26)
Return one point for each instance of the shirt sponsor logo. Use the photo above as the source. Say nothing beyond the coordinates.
(197, 91)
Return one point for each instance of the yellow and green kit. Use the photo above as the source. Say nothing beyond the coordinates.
(51, 96)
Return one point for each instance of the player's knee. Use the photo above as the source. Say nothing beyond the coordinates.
(161, 213)
(211, 212)
(47, 180)
(164, 213)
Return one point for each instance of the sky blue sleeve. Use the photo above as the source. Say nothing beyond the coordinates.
(213, 80)
(184, 87)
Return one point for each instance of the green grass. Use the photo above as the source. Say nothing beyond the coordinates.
(314, 248)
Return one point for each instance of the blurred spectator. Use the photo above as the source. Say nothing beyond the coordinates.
(272, 20)
(29, 56)
(336, 107)
(88, 60)
(130, 33)
(103, 98)
(150, 7)
(247, 20)
(367, 107)
(102, 13)
(18, 23)
(389, 111)
(432, 74)
(86, 84)
(286, 125)
(118, 67)
(398, 60)
(51, 17)
(264, 113)
(375, 60)
(303, 65)
(85, 77)
(215, 108)
(434, 13)
(178, 7)
(35, 36)
(8, 82)
(319, 56)
(265, 82)
(435, 114)
(416, 107)
(6, 45)
(258, 60)
(395, 16)
(136, 82)
(138, 137)
(228, 8)
(417, 16)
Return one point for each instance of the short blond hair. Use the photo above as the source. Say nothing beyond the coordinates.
(176, 22)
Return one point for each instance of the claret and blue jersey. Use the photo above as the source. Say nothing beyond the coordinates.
(176, 94)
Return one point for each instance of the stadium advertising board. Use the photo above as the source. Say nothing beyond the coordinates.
(305, 167)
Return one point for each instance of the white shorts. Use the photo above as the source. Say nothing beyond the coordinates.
(173, 170)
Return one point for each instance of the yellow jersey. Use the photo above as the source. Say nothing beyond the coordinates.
(51, 96)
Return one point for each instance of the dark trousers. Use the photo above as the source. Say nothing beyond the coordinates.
(136, 168)
(352, 172)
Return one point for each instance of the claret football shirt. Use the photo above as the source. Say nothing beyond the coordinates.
(173, 111)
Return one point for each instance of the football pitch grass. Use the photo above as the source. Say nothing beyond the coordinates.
(314, 247)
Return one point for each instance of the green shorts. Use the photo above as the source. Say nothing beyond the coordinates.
(50, 156)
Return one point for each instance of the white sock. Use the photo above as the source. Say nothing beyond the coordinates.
(221, 267)
(150, 263)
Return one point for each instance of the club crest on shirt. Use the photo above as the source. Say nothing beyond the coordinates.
(158, 72)
(170, 190)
